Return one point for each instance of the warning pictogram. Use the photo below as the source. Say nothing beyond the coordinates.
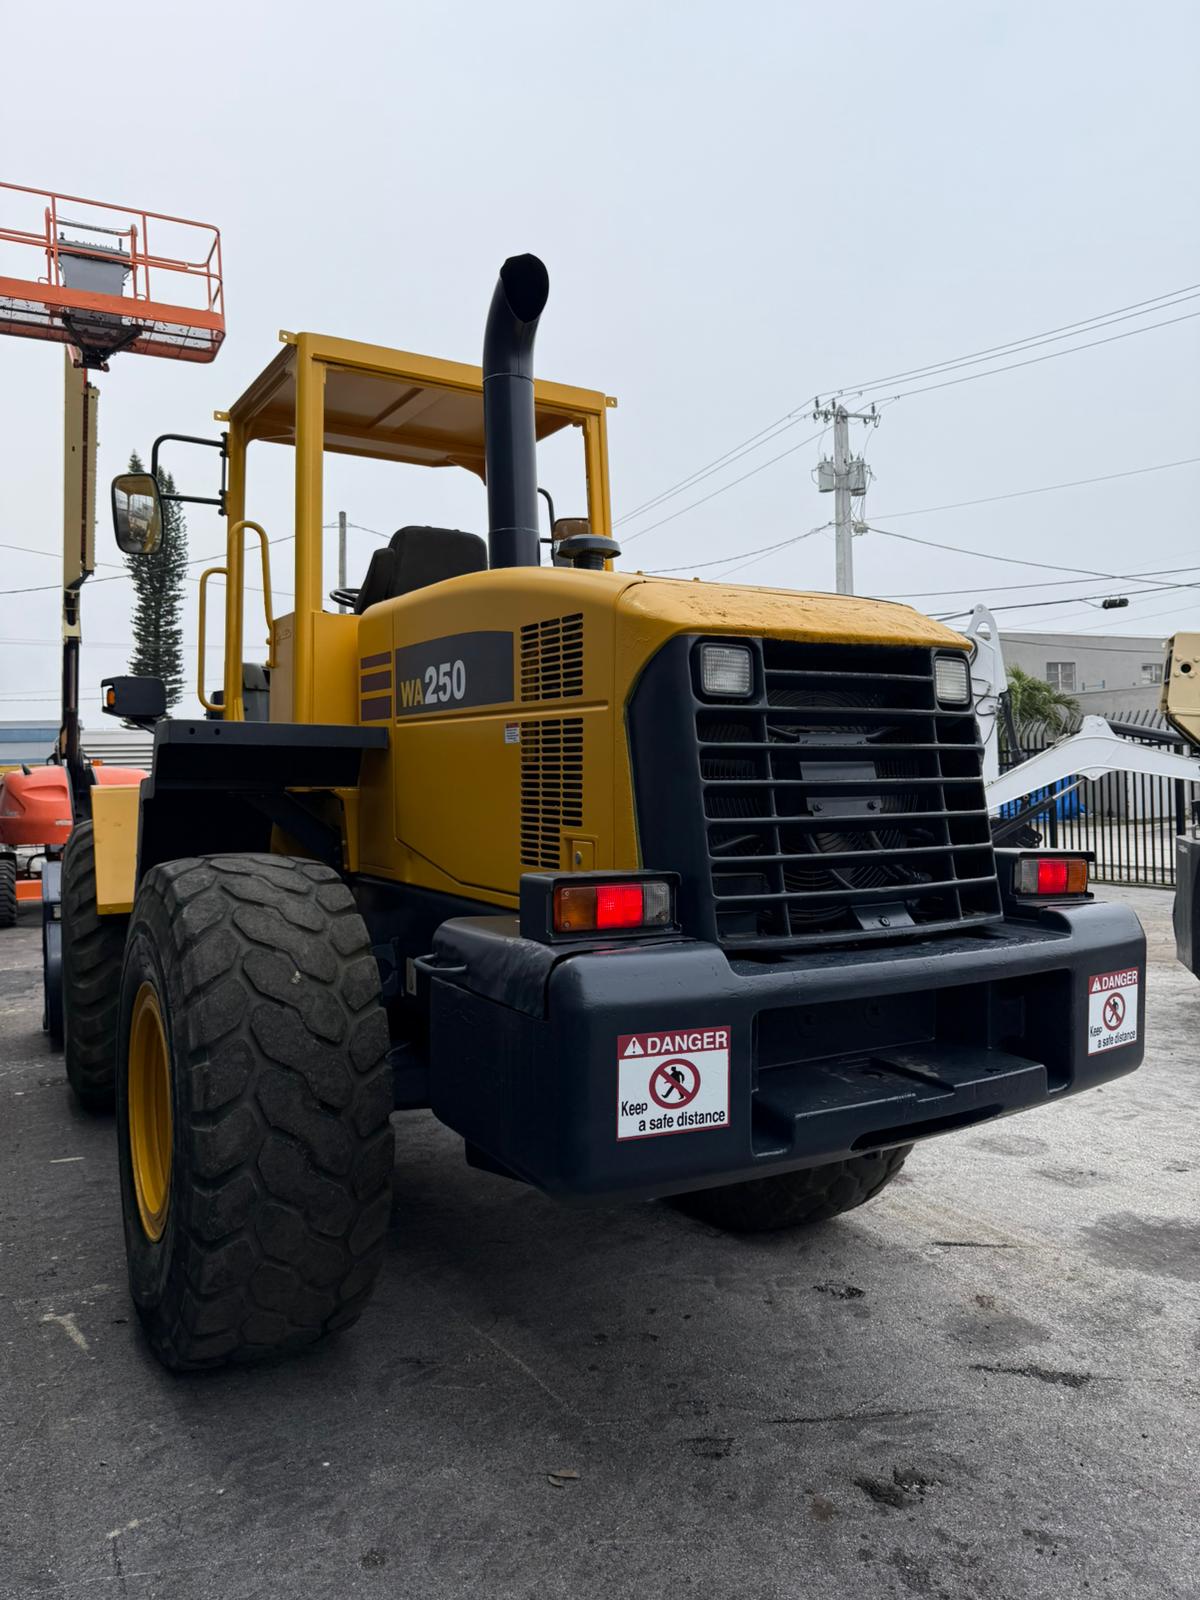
(676, 1081)
(1113, 1009)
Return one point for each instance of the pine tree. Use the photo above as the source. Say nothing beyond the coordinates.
(158, 606)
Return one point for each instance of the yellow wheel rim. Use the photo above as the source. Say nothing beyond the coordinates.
(150, 1111)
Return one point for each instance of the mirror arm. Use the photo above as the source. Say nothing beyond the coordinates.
(221, 444)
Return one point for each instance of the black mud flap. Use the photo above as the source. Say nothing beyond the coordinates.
(52, 966)
(1187, 903)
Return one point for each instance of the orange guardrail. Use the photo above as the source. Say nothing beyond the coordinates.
(109, 278)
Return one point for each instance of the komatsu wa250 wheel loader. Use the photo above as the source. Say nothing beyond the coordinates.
(646, 887)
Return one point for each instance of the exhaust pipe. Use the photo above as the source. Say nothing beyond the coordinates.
(510, 441)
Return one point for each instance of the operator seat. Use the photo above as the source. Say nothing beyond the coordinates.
(414, 558)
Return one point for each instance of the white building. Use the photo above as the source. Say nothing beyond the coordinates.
(1118, 675)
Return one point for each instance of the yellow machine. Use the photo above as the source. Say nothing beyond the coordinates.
(647, 888)
(1180, 702)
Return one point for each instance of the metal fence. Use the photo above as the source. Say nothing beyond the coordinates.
(1127, 820)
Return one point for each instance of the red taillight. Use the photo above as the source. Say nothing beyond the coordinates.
(619, 905)
(582, 907)
(1052, 876)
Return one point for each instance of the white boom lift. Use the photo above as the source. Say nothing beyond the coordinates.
(1096, 748)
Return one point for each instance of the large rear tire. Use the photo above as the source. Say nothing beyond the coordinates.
(792, 1199)
(253, 1098)
(8, 892)
(92, 950)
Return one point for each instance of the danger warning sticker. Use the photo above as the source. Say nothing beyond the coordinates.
(1112, 1009)
(672, 1082)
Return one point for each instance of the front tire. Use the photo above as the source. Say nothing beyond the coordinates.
(92, 950)
(253, 1098)
(793, 1199)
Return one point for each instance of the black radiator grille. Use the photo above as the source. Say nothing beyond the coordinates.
(843, 802)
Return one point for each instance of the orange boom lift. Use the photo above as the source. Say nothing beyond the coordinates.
(100, 280)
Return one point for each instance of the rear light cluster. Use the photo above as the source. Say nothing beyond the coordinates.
(1051, 876)
(599, 907)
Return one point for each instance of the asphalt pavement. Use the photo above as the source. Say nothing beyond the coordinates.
(985, 1384)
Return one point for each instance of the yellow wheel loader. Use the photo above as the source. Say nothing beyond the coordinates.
(646, 888)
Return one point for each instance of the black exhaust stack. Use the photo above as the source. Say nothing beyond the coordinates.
(510, 441)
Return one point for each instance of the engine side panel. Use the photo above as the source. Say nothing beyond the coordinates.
(504, 694)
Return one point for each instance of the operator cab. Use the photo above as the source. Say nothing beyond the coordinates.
(323, 396)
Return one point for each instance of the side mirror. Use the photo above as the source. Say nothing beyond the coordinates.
(139, 700)
(137, 513)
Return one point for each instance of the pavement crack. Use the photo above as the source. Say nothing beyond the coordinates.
(861, 1416)
(1069, 1380)
(971, 1244)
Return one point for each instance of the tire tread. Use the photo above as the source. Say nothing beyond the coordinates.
(8, 893)
(93, 948)
(282, 1226)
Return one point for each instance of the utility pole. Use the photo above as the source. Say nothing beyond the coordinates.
(845, 476)
(342, 554)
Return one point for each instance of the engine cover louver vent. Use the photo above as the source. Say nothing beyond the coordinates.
(551, 787)
(552, 659)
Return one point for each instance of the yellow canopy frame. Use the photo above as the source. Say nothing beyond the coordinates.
(321, 393)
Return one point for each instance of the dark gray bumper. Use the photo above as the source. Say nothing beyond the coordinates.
(830, 1055)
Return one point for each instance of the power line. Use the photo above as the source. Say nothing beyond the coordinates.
(1104, 649)
(1106, 319)
(1054, 355)
(762, 467)
(1041, 583)
(789, 418)
(766, 549)
(1170, 611)
(37, 589)
(1065, 600)
(89, 644)
(741, 567)
(54, 555)
(45, 588)
(903, 394)
(739, 555)
(1024, 636)
(1046, 488)
(734, 453)
(1015, 561)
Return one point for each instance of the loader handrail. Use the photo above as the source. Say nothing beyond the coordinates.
(233, 708)
(264, 545)
(209, 572)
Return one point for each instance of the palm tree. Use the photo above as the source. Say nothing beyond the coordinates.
(1037, 708)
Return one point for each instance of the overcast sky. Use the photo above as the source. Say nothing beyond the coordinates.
(740, 207)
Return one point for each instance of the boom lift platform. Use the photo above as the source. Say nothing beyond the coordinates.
(104, 278)
(645, 887)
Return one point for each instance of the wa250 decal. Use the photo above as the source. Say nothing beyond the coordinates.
(463, 669)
